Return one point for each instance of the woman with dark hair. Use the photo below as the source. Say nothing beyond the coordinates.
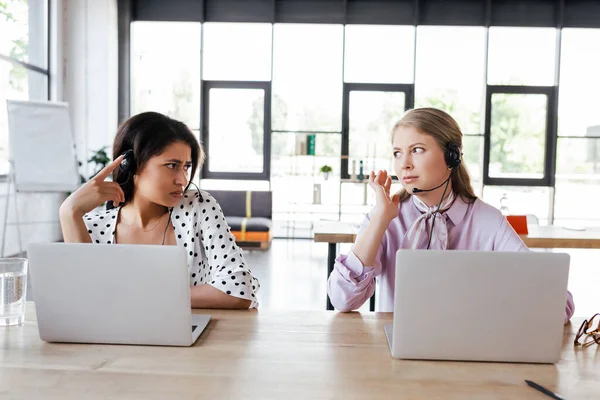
(149, 202)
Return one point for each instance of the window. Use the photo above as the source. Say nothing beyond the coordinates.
(24, 27)
(235, 143)
(235, 120)
(331, 83)
(165, 70)
(240, 52)
(379, 54)
(579, 82)
(578, 145)
(577, 181)
(307, 77)
(522, 56)
(372, 115)
(473, 159)
(519, 136)
(451, 73)
(521, 200)
(23, 60)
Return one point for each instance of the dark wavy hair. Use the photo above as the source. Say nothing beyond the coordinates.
(147, 135)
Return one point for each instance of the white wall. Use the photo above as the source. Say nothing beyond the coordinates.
(91, 74)
(83, 72)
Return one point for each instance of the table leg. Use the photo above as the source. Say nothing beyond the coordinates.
(331, 253)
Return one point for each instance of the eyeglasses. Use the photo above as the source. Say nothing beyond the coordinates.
(590, 328)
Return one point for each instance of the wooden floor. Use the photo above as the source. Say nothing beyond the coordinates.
(292, 276)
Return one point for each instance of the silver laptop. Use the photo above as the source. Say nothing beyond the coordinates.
(479, 306)
(120, 294)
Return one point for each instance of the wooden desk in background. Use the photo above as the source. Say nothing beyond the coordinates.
(276, 355)
(547, 237)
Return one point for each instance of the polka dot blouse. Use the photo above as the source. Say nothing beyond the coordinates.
(200, 227)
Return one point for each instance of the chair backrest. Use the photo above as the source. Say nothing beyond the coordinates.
(242, 203)
(519, 223)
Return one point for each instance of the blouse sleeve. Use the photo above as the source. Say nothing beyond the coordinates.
(231, 274)
(351, 283)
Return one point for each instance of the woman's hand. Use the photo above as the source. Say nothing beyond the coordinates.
(94, 192)
(386, 207)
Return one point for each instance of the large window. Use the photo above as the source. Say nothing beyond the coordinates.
(377, 93)
(295, 98)
(235, 119)
(240, 52)
(520, 123)
(578, 147)
(23, 59)
(370, 113)
(165, 70)
(307, 77)
(517, 136)
(450, 75)
(24, 28)
(379, 54)
(522, 56)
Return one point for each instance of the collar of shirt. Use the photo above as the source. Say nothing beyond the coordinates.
(455, 213)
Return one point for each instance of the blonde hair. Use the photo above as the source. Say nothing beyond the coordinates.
(444, 129)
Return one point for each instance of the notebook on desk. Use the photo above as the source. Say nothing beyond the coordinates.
(479, 306)
(119, 294)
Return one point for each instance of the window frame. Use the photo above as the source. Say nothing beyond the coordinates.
(31, 67)
(205, 173)
(548, 178)
(409, 92)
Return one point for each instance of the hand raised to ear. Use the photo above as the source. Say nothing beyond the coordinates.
(386, 207)
(96, 191)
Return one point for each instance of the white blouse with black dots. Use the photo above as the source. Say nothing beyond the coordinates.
(213, 258)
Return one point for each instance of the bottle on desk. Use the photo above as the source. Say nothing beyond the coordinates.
(317, 193)
(504, 205)
(361, 174)
(353, 175)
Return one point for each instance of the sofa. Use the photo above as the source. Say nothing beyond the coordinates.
(249, 214)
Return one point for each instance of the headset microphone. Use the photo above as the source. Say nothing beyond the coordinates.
(452, 156)
(415, 190)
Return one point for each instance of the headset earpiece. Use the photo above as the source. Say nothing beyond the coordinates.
(127, 162)
(452, 155)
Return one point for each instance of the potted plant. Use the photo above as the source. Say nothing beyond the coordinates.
(326, 170)
(100, 158)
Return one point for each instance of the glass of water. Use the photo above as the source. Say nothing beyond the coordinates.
(13, 287)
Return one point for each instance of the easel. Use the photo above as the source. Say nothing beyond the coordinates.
(11, 180)
(42, 154)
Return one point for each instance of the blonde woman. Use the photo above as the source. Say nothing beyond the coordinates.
(427, 147)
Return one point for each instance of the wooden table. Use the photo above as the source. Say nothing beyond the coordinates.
(275, 355)
(547, 237)
(556, 237)
(332, 233)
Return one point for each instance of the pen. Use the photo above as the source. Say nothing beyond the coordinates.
(544, 390)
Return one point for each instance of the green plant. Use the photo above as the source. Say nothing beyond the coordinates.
(100, 159)
(326, 168)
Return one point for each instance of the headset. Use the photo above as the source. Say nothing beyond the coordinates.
(453, 158)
